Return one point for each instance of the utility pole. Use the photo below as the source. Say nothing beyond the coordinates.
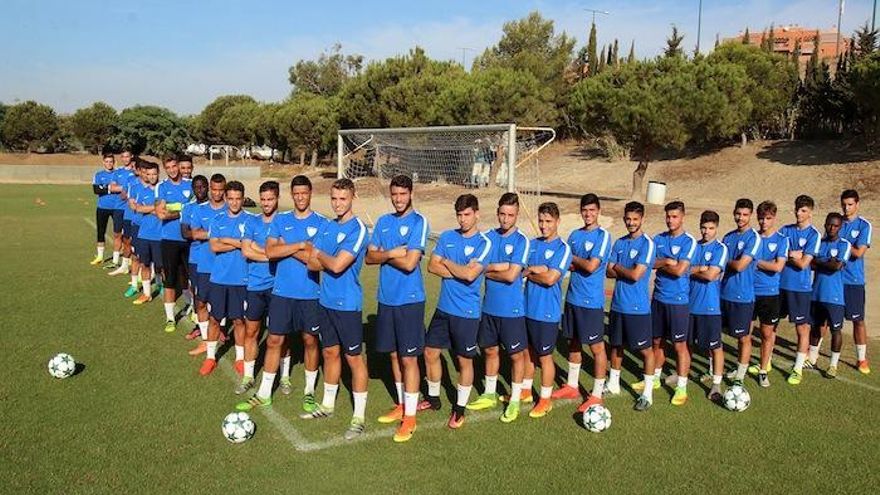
(464, 50)
(839, 17)
(594, 11)
(874, 15)
(700, 24)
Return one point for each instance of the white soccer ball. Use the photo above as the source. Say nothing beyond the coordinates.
(62, 365)
(597, 419)
(737, 398)
(238, 427)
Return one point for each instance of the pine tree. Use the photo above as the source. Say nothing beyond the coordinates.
(746, 37)
(717, 40)
(673, 43)
(592, 60)
(763, 43)
(601, 60)
(615, 60)
(771, 37)
(865, 41)
(632, 53)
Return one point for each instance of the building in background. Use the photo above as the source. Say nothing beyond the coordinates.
(785, 39)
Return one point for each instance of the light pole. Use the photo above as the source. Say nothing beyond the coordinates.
(464, 50)
(874, 15)
(594, 11)
(839, 17)
(700, 24)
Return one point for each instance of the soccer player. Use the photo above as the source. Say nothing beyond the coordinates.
(106, 209)
(459, 258)
(149, 232)
(632, 257)
(857, 230)
(549, 261)
(171, 194)
(200, 195)
(123, 176)
(828, 304)
(397, 246)
(339, 254)
(185, 162)
(294, 304)
(583, 318)
(131, 192)
(738, 283)
(669, 307)
(708, 264)
(796, 282)
(503, 319)
(770, 262)
(260, 278)
(229, 277)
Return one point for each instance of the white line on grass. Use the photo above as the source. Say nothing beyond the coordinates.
(839, 378)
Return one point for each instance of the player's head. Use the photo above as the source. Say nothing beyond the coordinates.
(185, 162)
(269, 197)
(674, 215)
(833, 222)
(217, 188)
(548, 219)
(766, 215)
(508, 210)
(172, 168)
(709, 225)
(590, 208)
(200, 188)
(150, 172)
(467, 212)
(342, 194)
(126, 157)
(108, 160)
(301, 192)
(633, 214)
(849, 203)
(401, 189)
(234, 196)
(742, 212)
(803, 208)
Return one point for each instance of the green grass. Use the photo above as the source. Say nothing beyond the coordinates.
(140, 419)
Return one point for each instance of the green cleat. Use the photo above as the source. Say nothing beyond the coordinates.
(831, 372)
(252, 403)
(754, 370)
(680, 397)
(320, 412)
(484, 401)
(310, 405)
(795, 377)
(511, 412)
(131, 292)
(640, 385)
(170, 326)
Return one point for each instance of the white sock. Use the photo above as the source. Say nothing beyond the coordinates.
(148, 288)
(311, 381)
(433, 389)
(285, 371)
(249, 369)
(657, 373)
(527, 385)
(399, 387)
(799, 361)
(464, 393)
(598, 387)
(115, 257)
(515, 391)
(211, 349)
(814, 352)
(265, 390)
(546, 392)
(329, 400)
(716, 379)
(682, 382)
(360, 404)
(574, 372)
(126, 264)
(862, 351)
(203, 329)
(187, 297)
(410, 402)
(134, 282)
(835, 358)
(491, 384)
(741, 370)
(101, 252)
(648, 393)
(614, 379)
(169, 311)
(239, 352)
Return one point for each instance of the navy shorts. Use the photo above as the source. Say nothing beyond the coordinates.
(542, 336)
(854, 297)
(203, 286)
(587, 325)
(118, 222)
(797, 306)
(671, 321)
(737, 317)
(192, 273)
(150, 252)
(133, 234)
(126, 228)
(706, 330)
(342, 328)
(508, 331)
(227, 301)
(288, 315)
(827, 313)
(256, 304)
(635, 328)
(401, 329)
(767, 309)
(453, 332)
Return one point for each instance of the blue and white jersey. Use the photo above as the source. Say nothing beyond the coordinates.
(587, 290)
(104, 178)
(773, 247)
(171, 192)
(121, 178)
(202, 218)
(858, 232)
(501, 298)
(398, 287)
(545, 303)
(150, 225)
(828, 286)
(459, 297)
(739, 286)
(292, 278)
(806, 240)
(669, 289)
(705, 298)
(186, 218)
(229, 268)
(342, 291)
(261, 274)
(131, 187)
(632, 297)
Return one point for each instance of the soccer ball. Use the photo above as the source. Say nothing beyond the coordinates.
(238, 427)
(62, 365)
(737, 399)
(597, 419)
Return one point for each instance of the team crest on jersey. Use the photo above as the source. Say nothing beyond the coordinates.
(548, 253)
(833, 252)
(340, 237)
(676, 250)
(404, 229)
(508, 249)
(468, 250)
(588, 245)
(740, 244)
(241, 228)
(854, 234)
(772, 247)
(633, 253)
(802, 241)
(708, 255)
(311, 231)
(186, 194)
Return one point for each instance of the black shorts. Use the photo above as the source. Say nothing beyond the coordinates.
(227, 301)
(126, 228)
(256, 304)
(828, 314)
(342, 328)
(175, 260)
(767, 310)
(542, 336)
(453, 332)
(510, 332)
(133, 235)
(118, 221)
(636, 329)
(288, 315)
(401, 329)
(203, 286)
(587, 325)
(102, 218)
(797, 306)
(737, 317)
(670, 321)
(854, 297)
(706, 330)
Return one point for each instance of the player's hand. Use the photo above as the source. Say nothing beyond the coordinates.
(671, 262)
(795, 255)
(398, 252)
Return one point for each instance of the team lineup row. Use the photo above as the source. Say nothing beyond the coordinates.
(298, 272)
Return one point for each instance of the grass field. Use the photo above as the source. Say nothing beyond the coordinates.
(139, 419)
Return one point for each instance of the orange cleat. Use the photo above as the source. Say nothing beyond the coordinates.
(142, 299)
(405, 430)
(863, 367)
(541, 409)
(195, 351)
(592, 400)
(239, 367)
(566, 392)
(456, 419)
(208, 367)
(392, 416)
(525, 397)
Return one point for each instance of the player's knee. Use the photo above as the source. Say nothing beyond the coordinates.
(330, 352)
(274, 341)
(491, 352)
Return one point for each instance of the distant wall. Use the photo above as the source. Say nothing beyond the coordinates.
(83, 174)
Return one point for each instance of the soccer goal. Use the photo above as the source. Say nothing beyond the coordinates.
(444, 162)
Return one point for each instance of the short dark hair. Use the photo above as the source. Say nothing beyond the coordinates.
(300, 180)
(508, 199)
(744, 203)
(218, 179)
(270, 185)
(129, 151)
(590, 199)
(634, 206)
(169, 158)
(834, 216)
(184, 158)
(235, 186)
(200, 178)
(766, 207)
(549, 208)
(674, 205)
(343, 185)
(108, 155)
(466, 201)
(850, 194)
(401, 181)
(148, 165)
(804, 200)
(709, 216)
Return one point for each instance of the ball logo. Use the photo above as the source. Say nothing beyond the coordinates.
(340, 237)
(468, 250)
(548, 253)
(404, 229)
(802, 242)
(508, 249)
(833, 252)
(633, 253)
(772, 247)
(588, 245)
(311, 231)
(707, 256)
(676, 250)
(854, 234)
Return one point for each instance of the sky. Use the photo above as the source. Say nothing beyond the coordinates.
(182, 54)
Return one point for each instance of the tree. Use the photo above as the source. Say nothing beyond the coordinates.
(327, 75)
(632, 52)
(235, 126)
(747, 38)
(3, 109)
(94, 126)
(615, 59)
(150, 130)
(673, 44)
(211, 115)
(29, 126)
(601, 61)
(307, 122)
(592, 59)
(865, 42)
(865, 83)
(264, 129)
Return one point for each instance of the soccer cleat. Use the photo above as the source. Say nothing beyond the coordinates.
(610, 392)
(511, 412)
(195, 351)
(525, 397)
(763, 380)
(193, 334)
(120, 270)
(244, 385)
(809, 365)
(737, 383)
(355, 429)
(320, 412)
(680, 397)
(285, 387)
(754, 370)
(715, 394)
(170, 326)
(456, 419)
(642, 404)
(484, 401)
(142, 299)
(239, 367)
(863, 367)
(208, 367)
(97, 260)
(405, 430)
(795, 377)
(566, 392)
(831, 372)
(309, 404)
(392, 416)
(130, 292)
(730, 375)
(639, 386)
(592, 400)
(541, 409)
(252, 403)
(432, 403)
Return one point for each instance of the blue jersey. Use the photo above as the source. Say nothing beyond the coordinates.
(773, 247)
(502, 298)
(230, 267)
(544, 303)
(131, 187)
(134, 190)
(828, 286)
(397, 287)
(104, 178)
(261, 274)
(202, 218)
(587, 290)
(739, 286)
(459, 297)
(705, 297)
(807, 241)
(669, 289)
(858, 232)
(632, 297)
(186, 218)
(150, 226)
(342, 291)
(292, 278)
(170, 192)
(121, 177)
